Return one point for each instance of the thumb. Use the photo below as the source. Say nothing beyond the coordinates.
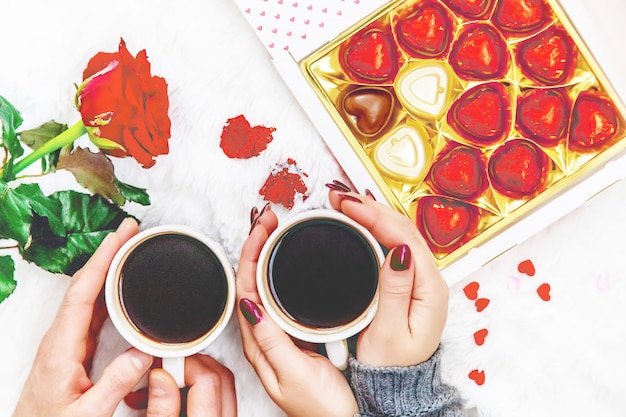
(163, 396)
(118, 380)
(395, 288)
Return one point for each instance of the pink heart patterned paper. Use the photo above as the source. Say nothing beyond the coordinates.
(299, 26)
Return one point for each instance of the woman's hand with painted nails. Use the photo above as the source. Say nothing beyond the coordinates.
(59, 383)
(300, 381)
(413, 303)
(210, 390)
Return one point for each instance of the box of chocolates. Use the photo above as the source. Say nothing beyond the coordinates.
(481, 120)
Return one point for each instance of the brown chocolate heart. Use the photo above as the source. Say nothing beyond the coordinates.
(479, 53)
(482, 115)
(446, 223)
(518, 169)
(460, 171)
(369, 109)
(594, 122)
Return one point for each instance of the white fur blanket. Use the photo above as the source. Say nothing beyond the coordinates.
(562, 357)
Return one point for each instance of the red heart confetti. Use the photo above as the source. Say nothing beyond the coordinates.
(480, 335)
(543, 115)
(526, 267)
(471, 290)
(482, 115)
(371, 55)
(283, 184)
(446, 223)
(479, 53)
(518, 169)
(477, 376)
(517, 18)
(460, 172)
(548, 58)
(594, 122)
(471, 9)
(240, 140)
(544, 291)
(425, 31)
(482, 304)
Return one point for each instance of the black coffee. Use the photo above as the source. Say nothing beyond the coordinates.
(323, 273)
(173, 288)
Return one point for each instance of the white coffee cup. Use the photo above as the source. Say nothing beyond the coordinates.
(271, 287)
(199, 253)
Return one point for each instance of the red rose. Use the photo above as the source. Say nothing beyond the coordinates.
(124, 107)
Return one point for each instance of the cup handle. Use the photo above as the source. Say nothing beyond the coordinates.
(338, 353)
(176, 368)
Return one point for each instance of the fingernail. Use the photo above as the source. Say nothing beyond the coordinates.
(254, 213)
(401, 258)
(369, 194)
(157, 385)
(254, 223)
(124, 225)
(139, 360)
(250, 311)
(349, 197)
(266, 207)
(338, 186)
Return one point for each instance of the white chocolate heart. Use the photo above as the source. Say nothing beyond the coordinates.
(404, 154)
(424, 89)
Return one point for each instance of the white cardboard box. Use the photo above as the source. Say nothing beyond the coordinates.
(291, 30)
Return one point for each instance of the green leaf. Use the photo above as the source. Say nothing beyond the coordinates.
(10, 120)
(132, 193)
(17, 207)
(35, 138)
(87, 220)
(7, 281)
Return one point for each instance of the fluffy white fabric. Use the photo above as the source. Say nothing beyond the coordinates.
(555, 358)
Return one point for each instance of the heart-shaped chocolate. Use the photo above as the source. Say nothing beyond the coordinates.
(518, 169)
(446, 223)
(479, 53)
(425, 31)
(459, 171)
(520, 18)
(543, 115)
(594, 122)
(404, 154)
(368, 109)
(482, 115)
(471, 9)
(425, 88)
(548, 58)
(371, 55)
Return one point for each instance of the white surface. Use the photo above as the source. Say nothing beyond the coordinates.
(564, 357)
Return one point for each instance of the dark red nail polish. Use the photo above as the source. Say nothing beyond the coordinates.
(250, 311)
(401, 258)
(337, 186)
(266, 207)
(369, 194)
(254, 213)
(349, 197)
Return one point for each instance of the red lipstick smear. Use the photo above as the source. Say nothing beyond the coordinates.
(284, 183)
(240, 140)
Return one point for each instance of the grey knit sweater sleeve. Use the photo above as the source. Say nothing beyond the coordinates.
(403, 391)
